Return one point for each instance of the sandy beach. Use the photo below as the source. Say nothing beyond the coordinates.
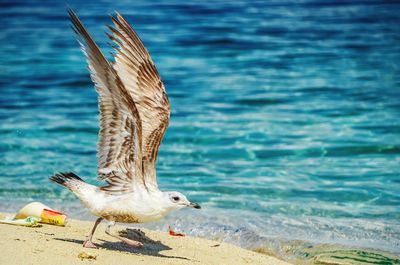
(63, 245)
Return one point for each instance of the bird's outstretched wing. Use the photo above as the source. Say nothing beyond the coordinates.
(120, 136)
(141, 79)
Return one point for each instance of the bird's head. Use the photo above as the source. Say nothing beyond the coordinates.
(176, 200)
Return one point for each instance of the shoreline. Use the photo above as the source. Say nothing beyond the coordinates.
(50, 244)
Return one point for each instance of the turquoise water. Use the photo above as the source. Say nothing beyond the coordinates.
(285, 114)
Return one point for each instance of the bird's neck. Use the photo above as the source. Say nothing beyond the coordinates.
(157, 204)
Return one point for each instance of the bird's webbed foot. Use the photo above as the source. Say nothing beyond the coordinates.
(129, 242)
(89, 244)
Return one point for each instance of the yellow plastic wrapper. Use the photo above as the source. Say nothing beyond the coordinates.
(53, 217)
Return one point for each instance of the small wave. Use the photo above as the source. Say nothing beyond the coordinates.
(69, 129)
(261, 101)
(328, 152)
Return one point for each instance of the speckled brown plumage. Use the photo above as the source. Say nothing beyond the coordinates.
(140, 76)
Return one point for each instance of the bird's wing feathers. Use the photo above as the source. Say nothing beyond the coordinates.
(120, 143)
(142, 81)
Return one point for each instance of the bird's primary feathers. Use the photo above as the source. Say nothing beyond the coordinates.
(134, 115)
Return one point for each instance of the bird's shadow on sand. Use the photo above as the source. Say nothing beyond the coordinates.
(150, 248)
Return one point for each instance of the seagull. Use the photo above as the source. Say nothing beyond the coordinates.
(134, 115)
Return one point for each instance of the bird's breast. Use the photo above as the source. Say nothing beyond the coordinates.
(130, 208)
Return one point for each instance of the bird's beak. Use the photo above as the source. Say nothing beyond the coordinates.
(194, 205)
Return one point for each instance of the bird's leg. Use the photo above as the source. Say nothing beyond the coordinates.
(88, 242)
(130, 242)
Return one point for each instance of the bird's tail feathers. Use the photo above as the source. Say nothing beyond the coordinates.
(67, 179)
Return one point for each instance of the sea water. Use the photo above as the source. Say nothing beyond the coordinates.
(285, 115)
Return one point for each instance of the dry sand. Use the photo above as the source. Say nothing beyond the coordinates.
(49, 244)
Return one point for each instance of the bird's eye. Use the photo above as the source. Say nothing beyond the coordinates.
(175, 198)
